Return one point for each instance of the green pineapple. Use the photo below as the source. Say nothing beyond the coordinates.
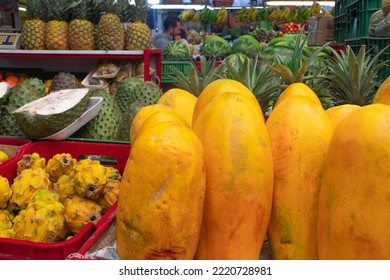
(353, 78)
(110, 29)
(81, 29)
(197, 80)
(57, 33)
(255, 76)
(33, 35)
(138, 35)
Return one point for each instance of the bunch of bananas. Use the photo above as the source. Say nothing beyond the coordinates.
(187, 15)
(247, 15)
(303, 14)
(315, 9)
(293, 16)
(280, 14)
(208, 16)
(262, 14)
(222, 15)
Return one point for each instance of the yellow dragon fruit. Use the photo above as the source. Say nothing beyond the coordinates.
(42, 220)
(113, 173)
(5, 192)
(109, 194)
(26, 185)
(60, 164)
(29, 161)
(89, 178)
(64, 188)
(6, 230)
(79, 211)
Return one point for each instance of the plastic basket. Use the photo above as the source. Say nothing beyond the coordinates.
(167, 72)
(13, 147)
(115, 155)
(358, 17)
(373, 46)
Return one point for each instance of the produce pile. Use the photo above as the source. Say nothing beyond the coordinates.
(86, 25)
(52, 200)
(112, 121)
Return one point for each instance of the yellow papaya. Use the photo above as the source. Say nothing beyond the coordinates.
(299, 134)
(220, 86)
(182, 101)
(354, 209)
(162, 192)
(298, 89)
(239, 178)
(337, 113)
(142, 115)
(382, 95)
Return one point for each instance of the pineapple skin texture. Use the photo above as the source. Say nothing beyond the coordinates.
(138, 36)
(57, 34)
(33, 35)
(81, 35)
(110, 33)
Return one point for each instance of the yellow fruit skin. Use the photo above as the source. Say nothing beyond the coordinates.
(298, 89)
(142, 115)
(161, 195)
(299, 133)
(354, 216)
(3, 157)
(182, 101)
(5, 192)
(337, 113)
(383, 93)
(239, 178)
(217, 87)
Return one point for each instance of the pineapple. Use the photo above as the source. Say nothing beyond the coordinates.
(110, 29)
(256, 77)
(33, 35)
(81, 29)
(353, 77)
(138, 35)
(57, 33)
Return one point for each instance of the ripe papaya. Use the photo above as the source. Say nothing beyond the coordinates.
(382, 95)
(354, 206)
(337, 113)
(299, 133)
(217, 87)
(239, 178)
(162, 192)
(298, 89)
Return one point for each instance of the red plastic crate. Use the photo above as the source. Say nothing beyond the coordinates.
(109, 154)
(17, 143)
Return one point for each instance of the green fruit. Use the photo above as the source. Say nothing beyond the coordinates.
(127, 119)
(247, 45)
(176, 50)
(52, 113)
(104, 126)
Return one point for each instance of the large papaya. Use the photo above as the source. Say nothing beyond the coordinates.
(239, 178)
(299, 132)
(354, 211)
(382, 95)
(337, 113)
(162, 193)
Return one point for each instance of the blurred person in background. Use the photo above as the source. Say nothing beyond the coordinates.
(172, 27)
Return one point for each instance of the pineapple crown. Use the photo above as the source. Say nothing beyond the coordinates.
(353, 76)
(139, 11)
(34, 9)
(57, 9)
(81, 9)
(116, 7)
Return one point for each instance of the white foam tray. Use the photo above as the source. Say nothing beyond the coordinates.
(85, 82)
(93, 107)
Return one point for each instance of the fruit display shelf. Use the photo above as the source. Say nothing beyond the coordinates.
(109, 154)
(77, 61)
